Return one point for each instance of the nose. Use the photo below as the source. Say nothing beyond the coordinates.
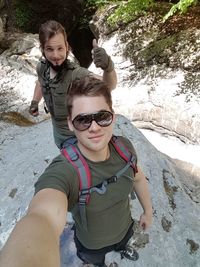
(55, 54)
(94, 126)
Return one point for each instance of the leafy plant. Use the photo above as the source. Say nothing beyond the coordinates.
(128, 10)
(182, 6)
(22, 15)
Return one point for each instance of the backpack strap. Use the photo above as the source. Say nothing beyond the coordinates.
(73, 155)
(125, 153)
(127, 156)
(71, 152)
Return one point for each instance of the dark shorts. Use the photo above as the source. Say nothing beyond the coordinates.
(97, 256)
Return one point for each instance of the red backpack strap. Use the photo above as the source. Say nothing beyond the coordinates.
(73, 155)
(124, 152)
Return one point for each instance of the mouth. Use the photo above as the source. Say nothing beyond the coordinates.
(57, 62)
(96, 137)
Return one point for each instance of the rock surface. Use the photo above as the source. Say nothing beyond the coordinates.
(159, 92)
(158, 69)
(174, 237)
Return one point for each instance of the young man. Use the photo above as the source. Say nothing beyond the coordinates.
(56, 72)
(35, 239)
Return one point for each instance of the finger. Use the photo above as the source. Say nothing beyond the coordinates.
(94, 43)
(142, 224)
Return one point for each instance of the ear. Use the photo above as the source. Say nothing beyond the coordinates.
(70, 124)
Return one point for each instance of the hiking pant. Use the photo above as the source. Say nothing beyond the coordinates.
(97, 256)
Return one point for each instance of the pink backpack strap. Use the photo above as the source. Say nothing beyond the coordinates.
(124, 152)
(72, 154)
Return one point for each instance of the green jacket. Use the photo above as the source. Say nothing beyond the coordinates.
(54, 92)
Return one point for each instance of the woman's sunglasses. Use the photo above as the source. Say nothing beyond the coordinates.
(83, 121)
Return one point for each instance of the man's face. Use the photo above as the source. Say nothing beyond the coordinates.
(55, 49)
(93, 141)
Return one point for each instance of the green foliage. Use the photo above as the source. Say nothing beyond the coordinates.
(22, 15)
(182, 6)
(128, 10)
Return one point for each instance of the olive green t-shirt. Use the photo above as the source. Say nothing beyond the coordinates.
(108, 215)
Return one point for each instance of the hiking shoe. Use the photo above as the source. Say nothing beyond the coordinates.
(129, 253)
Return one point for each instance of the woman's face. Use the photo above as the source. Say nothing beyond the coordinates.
(55, 49)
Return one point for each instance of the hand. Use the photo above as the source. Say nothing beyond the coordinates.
(101, 58)
(145, 220)
(33, 110)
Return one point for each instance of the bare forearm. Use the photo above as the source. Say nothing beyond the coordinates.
(110, 78)
(32, 243)
(37, 95)
(143, 194)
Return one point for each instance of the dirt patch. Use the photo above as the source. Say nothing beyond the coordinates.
(15, 118)
(181, 22)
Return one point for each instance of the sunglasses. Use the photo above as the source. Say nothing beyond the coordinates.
(83, 121)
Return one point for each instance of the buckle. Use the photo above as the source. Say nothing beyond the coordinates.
(74, 157)
(112, 179)
(84, 192)
(82, 201)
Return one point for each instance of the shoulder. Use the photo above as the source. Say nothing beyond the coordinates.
(59, 175)
(80, 72)
(40, 66)
(127, 143)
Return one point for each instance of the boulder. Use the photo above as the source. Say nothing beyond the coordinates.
(174, 238)
(158, 68)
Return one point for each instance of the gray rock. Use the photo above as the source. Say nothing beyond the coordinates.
(150, 95)
(158, 74)
(174, 238)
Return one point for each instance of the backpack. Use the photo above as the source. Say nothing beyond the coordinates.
(73, 155)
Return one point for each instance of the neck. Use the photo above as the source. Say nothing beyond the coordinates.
(95, 156)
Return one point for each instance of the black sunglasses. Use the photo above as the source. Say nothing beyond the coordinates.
(83, 121)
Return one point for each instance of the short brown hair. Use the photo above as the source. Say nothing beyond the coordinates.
(88, 86)
(49, 29)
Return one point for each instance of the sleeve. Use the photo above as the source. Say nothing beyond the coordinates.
(80, 72)
(60, 175)
(38, 69)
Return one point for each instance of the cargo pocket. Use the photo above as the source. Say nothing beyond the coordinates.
(59, 106)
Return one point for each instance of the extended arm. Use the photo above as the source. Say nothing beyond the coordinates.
(34, 241)
(110, 78)
(142, 192)
(37, 95)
